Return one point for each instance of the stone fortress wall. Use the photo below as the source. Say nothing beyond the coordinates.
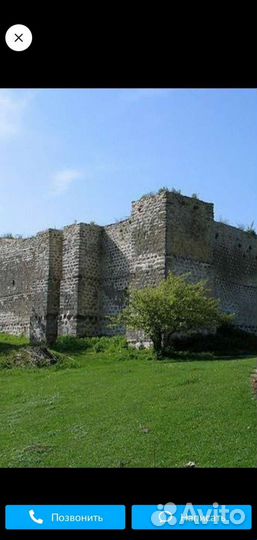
(68, 282)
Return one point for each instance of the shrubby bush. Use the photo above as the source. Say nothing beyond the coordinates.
(174, 306)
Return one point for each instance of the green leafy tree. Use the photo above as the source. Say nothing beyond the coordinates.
(175, 305)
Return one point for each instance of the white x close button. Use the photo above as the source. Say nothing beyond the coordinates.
(18, 37)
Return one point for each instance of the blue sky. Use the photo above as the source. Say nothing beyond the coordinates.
(84, 155)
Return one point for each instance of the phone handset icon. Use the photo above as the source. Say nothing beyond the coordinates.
(39, 521)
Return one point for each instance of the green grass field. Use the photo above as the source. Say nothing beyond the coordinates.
(121, 408)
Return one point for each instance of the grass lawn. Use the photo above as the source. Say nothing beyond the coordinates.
(122, 408)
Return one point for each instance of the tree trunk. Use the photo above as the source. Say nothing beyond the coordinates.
(157, 344)
(167, 340)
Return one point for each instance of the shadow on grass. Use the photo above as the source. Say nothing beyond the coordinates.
(202, 357)
(8, 346)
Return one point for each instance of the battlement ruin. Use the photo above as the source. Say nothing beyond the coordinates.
(67, 282)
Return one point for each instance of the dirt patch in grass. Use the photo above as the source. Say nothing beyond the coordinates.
(30, 357)
(37, 449)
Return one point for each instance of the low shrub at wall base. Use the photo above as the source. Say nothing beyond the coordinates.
(227, 340)
(96, 344)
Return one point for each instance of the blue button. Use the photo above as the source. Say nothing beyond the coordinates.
(192, 517)
(19, 517)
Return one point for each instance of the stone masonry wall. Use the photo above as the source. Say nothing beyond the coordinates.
(54, 282)
(45, 287)
(133, 255)
(69, 282)
(148, 240)
(235, 274)
(29, 296)
(39, 288)
(17, 270)
(69, 286)
(89, 290)
(189, 245)
(115, 271)
(148, 247)
(80, 285)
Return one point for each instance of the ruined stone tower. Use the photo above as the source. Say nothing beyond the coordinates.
(66, 282)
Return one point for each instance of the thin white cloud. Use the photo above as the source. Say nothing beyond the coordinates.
(13, 104)
(62, 180)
